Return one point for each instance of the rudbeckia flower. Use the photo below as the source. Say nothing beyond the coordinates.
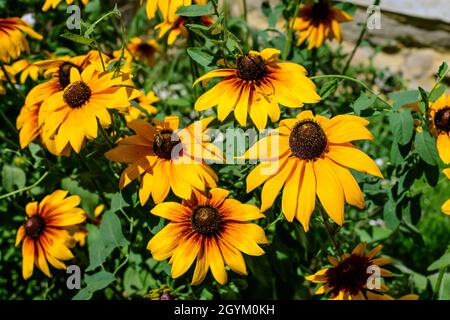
(440, 125)
(145, 103)
(144, 50)
(319, 21)
(349, 275)
(165, 158)
(80, 232)
(12, 39)
(72, 115)
(54, 3)
(10, 73)
(208, 228)
(26, 69)
(44, 232)
(168, 8)
(446, 206)
(311, 155)
(257, 86)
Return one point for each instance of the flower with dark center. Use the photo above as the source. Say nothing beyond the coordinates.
(206, 220)
(64, 74)
(307, 140)
(77, 94)
(350, 275)
(251, 67)
(34, 226)
(320, 11)
(212, 230)
(164, 143)
(146, 49)
(442, 120)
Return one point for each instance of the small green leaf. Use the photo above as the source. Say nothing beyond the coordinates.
(83, 294)
(195, 10)
(402, 125)
(437, 92)
(99, 280)
(403, 98)
(363, 102)
(12, 178)
(390, 214)
(77, 38)
(443, 70)
(328, 88)
(199, 56)
(440, 263)
(426, 147)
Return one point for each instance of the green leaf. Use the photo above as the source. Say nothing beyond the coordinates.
(99, 280)
(97, 251)
(440, 263)
(83, 294)
(77, 38)
(437, 92)
(89, 200)
(403, 98)
(195, 10)
(111, 231)
(13, 177)
(328, 88)
(390, 214)
(442, 72)
(199, 56)
(426, 147)
(402, 125)
(363, 102)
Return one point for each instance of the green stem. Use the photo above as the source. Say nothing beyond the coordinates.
(105, 136)
(8, 122)
(245, 13)
(437, 289)
(288, 42)
(361, 83)
(11, 84)
(314, 61)
(25, 188)
(330, 231)
(279, 218)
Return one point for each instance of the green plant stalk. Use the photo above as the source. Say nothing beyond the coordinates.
(361, 83)
(437, 289)
(8, 122)
(288, 42)
(105, 136)
(330, 231)
(7, 195)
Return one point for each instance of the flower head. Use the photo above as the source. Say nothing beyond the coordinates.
(44, 232)
(144, 50)
(145, 103)
(440, 125)
(208, 228)
(257, 86)
(311, 155)
(52, 4)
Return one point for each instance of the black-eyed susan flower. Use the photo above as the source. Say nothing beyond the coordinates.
(349, 275)
(80, 232)
(257, 86)
(446, 206)
(72, 115)
(52, 4)
(440, 125)
(164, 158)
(12, 39)
(167, 8)
(162, 293)
(319, 21)
(26, 69)
(208, 228)
(144, 51)
(3, 78)
(146, 107)
(311, 155)
(44, 232)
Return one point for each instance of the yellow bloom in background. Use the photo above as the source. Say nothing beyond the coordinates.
(26, 69)
(71, 115)
(44, 232)
(257, 86)
(162, 293)
(349, 275)
(319, 21)
(384, 296)
(54, 3)
(446, 206)
(178, 27)
(208, 228)
(440, 125)
(165, 158)
(12, 39)
(311, 155)
(144, 50)
(80, 232)
(145, 103)
(10, 73)
(167, 8)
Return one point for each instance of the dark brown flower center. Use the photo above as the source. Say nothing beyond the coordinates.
(64, 73)
(206, 220)
(350, 275)
(34, 226)
(77, 94)
(320, 11)
(442, 120)
(307, 140)
(144, 49)
(251, 67)
(166, 296)
(164, 142)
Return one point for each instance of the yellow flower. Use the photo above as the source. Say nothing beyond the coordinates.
(44, 232)
(210, 228)
(26, 69)
(71, 115)
(178, 27)
(166, 7)
(80, 232)
(384, 296)
(145, 103)
(258, 85)
(319, 21)
(144, 50)
(162, 293)
(12, 40)
(54, 3)
(311, 155)
(440, 125)
(446, 206)
(349, 275)
(10, 73)
(165, 158)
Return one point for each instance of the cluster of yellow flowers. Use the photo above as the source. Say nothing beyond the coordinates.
(312, 156)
